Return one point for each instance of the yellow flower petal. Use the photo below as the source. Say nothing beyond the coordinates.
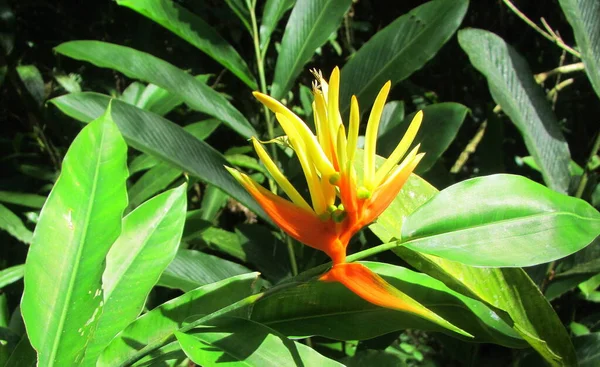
(371, 136)
(353, 128)
(297, 127)
(333, 104)
(401, 149)
(279, 177)
(312, 178)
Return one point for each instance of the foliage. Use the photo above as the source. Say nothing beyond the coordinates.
(128, 242)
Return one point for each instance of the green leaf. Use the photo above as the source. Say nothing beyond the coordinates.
(509, 289)
(238, 341)
(583, 17)
(140, 65)
(440, 125)
(161, 101)
(586, 347)
(501, 220)
(23, 199)
(78, 224)
(23, 355)
(12, 224)
(194, 30)
(147, 244)
(155, 180)
(212, 201)
(33, 82)
(400, 49)
(154, 135)
(169, 317)
(272, 13)
(331, 310)
(391, 117)
(11, 275)
(191, 269)
(309, 26)
(513, 88)
(238, 7)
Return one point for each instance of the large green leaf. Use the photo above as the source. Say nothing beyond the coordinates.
(272, 13)
(509, 290)
(501, 220)
(140, 65)
(583, 17)
(154, 135)
(146, 246)
(331, 310)
(191, 269)
(78, 224)
(310, 25)
(440, 125)
(400, 49)
(513, 88)
(11, 223)
(164, 320)
(233, 342)
(194, 30)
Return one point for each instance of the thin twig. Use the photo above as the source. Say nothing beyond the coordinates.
(566, 69)
(557, 41)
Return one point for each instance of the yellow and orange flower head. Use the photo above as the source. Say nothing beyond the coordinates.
(342, 200)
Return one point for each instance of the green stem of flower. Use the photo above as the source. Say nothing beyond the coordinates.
(260, 64)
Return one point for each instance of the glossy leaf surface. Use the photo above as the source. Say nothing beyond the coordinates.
(501, 220)
(145, 247)
(80, 221)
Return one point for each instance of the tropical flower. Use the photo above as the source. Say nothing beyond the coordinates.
(342, 200)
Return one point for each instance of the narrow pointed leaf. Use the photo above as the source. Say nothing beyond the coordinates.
(331, 310)
(140, 65)
(583, 17)
(309, 26)
(146, 246)
(23, 199)
(11, 223)
(11, 275)
(501, 220)
(400, 49)
(191, 269)
(194, 30)
(272, 13)
(159, 137)
(81, 219)
(243, 342)
(167, 318)
(513, 88)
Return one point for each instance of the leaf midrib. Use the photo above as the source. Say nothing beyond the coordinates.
(74, 273)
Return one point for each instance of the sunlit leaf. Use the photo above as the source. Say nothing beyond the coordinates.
(78, 224)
